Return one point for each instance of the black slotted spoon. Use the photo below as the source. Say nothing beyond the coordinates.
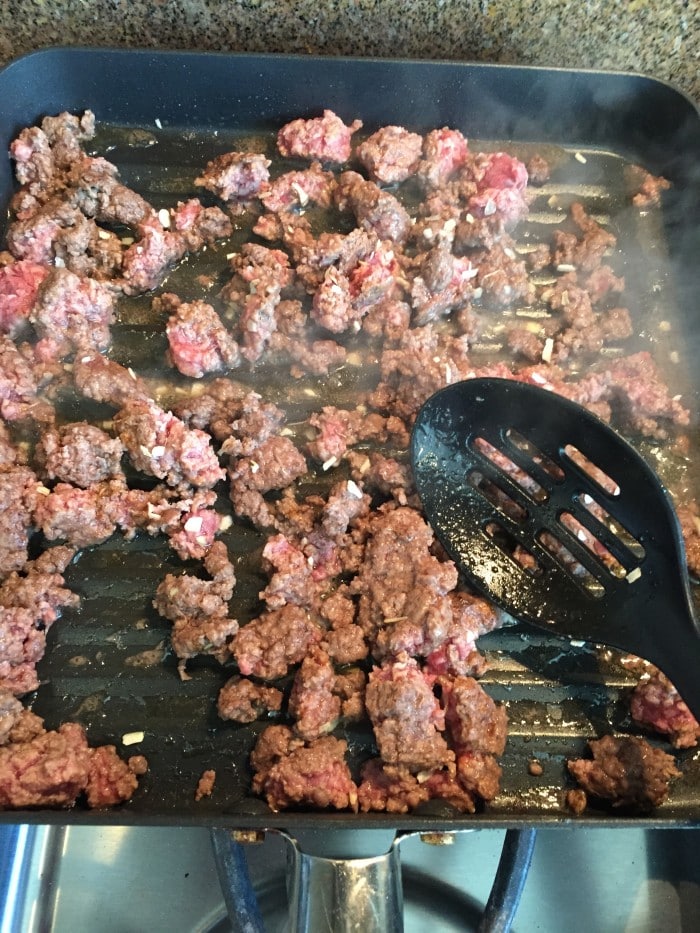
(558, 520)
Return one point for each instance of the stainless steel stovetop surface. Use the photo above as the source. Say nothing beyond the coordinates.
(128, 880)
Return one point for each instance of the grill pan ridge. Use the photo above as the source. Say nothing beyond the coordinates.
(195, 106)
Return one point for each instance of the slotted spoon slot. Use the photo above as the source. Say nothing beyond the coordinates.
(590, 471)
(569, 563)
(494, 493)
(512, 471)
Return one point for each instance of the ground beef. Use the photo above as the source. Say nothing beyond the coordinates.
(199, 226)
(406, 717)
(22, 644)
(18, 498)
(656, 703)
(474, 722)
(147, 261)
(19, 387)
(339, 429)
(325, 138)
(538, 170)
(260, 276)
(9, 454)
(106, 381)
(254, 423)
(690, 527)
(40, 586)
(586, 249)
(390, 155)
(205, 785)
(445, 151)
(273, 465)
(389, 790)
(346, 502)
(627, 771)
(10, 712)
(80, 453)
(313, 703)
(376, 211)
(71, 313)
(96, 190)
(110, 780)
(270, 644)
(81, 517)
(301, 572)
(211, 635)
(235, 176)
(19, 283)
(646, 187)
(244, 701)
(187, 596)
(298, 189)
(53, 769)
(198, 341)
(642, 399)
(313, 775)
(161, 445)
(49, 771)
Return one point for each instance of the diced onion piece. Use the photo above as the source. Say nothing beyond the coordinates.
(132, 738)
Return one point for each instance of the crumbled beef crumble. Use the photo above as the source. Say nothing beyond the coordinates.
(353, 574)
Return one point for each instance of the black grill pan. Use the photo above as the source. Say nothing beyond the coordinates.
(188, 107)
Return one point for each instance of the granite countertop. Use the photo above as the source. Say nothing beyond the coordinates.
(660, 38)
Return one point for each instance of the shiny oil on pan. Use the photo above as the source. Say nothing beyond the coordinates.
(161, 117)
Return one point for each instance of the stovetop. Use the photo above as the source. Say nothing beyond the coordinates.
(124, 880)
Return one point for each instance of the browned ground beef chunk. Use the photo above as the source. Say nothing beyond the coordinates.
(49, 771)
(313, 702)
(324, 138)
(253, 425)
(214, 407)
(147, 261)
(641, 396)
(273, 465)
(407, 603)
(22, 644)
(690, 526)
(646, 187)
(298, 189)
(626, 770)
(18, 498)
(10, 712)
(391, 154)
(479, 774)
(389, 318)
(389, 790)
(339, 429)
(199, 343)
(585, 251)
(244, 701)
(346, 502)
(474, 722)
(235, 176)
(301, 571)
(350, 687)
(444, 152)
(110, 780)
(18, 386)
(198, 635)
(80, 453)
(502, 276)
(260, 276)
(270, 644)
(161, 445)
(538, 170)
(198, 226)
(81, 517)
(52, 769)
(39, 586)
(72, 313)
(187, 596)
(657, 704)
(406, 717)
(376, 211)
(315, 775)
(106, 381)
(9, 454)
(205, 785)
(97, 192)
